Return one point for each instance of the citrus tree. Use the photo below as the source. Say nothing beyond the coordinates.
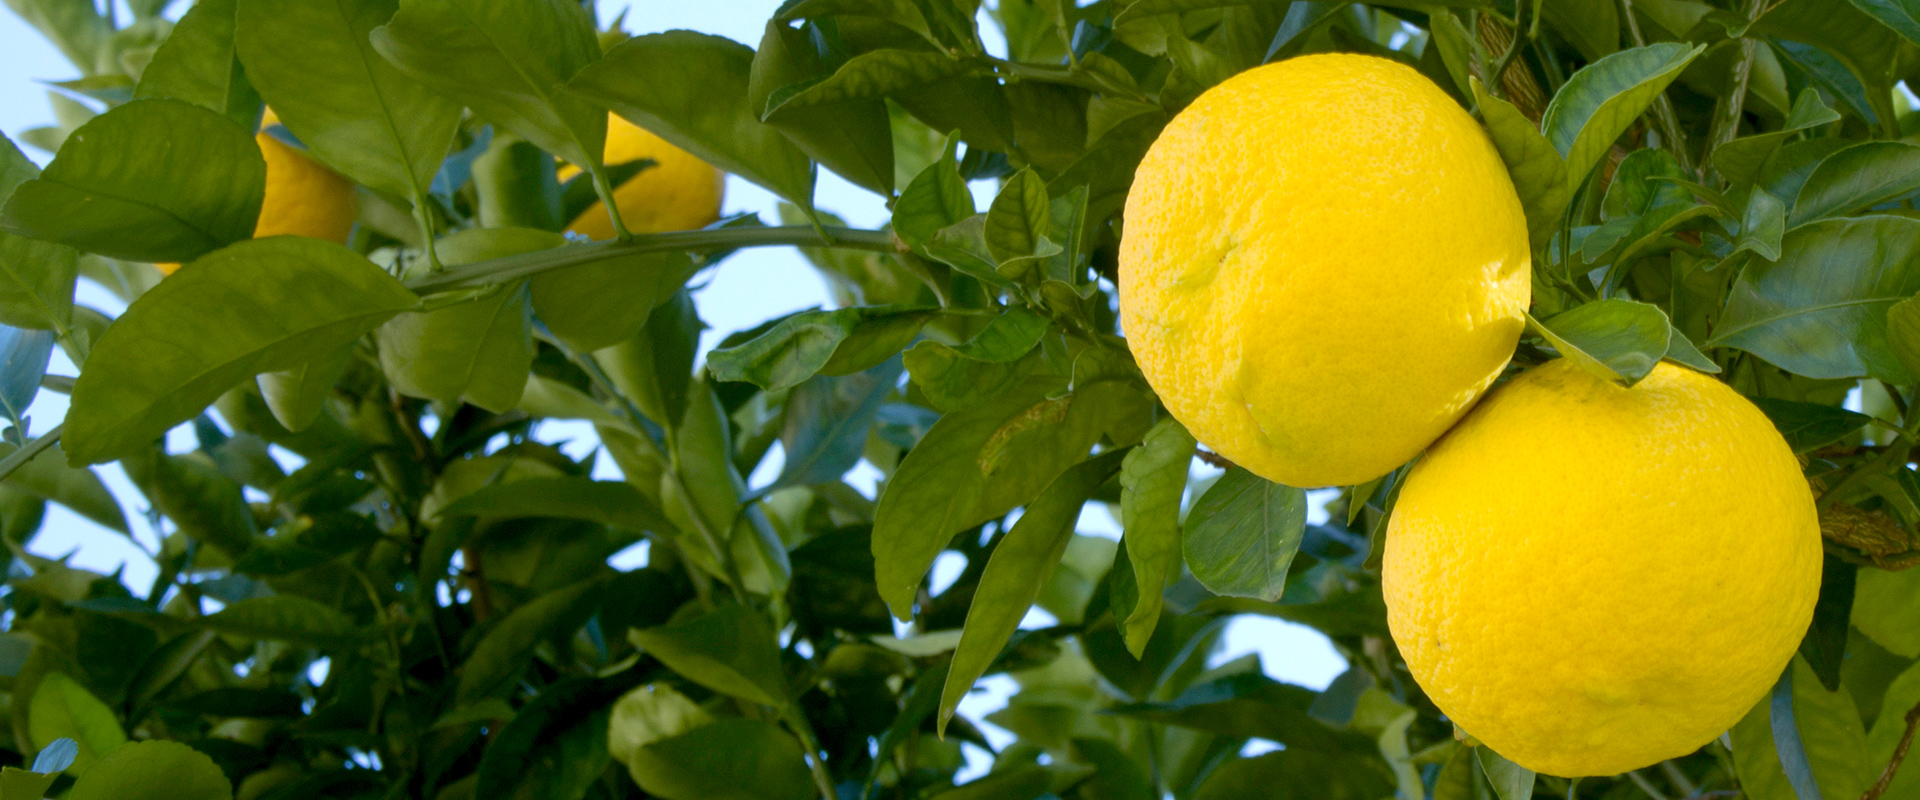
(367, 246)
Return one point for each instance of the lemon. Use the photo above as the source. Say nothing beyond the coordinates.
(1323, 265)
(303, 198)
(1591, 579)
(679, 192)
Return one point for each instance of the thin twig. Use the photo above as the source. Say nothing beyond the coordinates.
(524, 265)
(1899, 755)
(1215, 459)
(20, 457)
(1674, 138)
(1726, 119)
(1494, 81)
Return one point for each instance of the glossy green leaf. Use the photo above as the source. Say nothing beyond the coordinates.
(899, 12)
(694, 95)
(63, 709)
(497, 660)
(936, 198)
(873, 74)
(852, 134)
(1903, 16)
(16, 782)
(154, 770)
(314, 62)
(1019, 218)
(1741, 159)
(1886, 607)
(1843, 50)
(1857, 178)
(607, 502)
(1761, 227)
(1019, 566)
(811, 342)
(258, 306)
(196, 64)
(1820, 311)
(36, 283)
(986, 365)
(828, 419)
(973, 465)
(297, 396)
(508, 60)
(730, 759)
(308, 542)
(1603, 98)
(192, 492)
(556, 745)
(1153, 480)
(605, 302)
(730, 649)
(1539, 173)
(480, 349)
(152, 180)
(649, 714)
(1243, 533)
(1332, 775)
(1828, 728)
(1616, 340)
(1510, 781)
(1810, 426)
(48, 476)
(284, 618)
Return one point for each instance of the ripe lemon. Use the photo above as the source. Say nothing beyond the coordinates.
(303, 198)
(679, 192)
(1591, 579)
(1323, 265)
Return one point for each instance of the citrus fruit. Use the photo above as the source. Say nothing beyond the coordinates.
(1323, 265)
(303, 198)
(679, 192)
(1590, 578)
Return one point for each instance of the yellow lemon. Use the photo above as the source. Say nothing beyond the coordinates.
(1323, 265)
(303, 198)
(679, 192)
(1591, 579)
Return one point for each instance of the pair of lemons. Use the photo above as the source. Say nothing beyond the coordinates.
(678, 192)
(1324, 266)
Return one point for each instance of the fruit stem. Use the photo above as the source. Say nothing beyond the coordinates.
(1899, 755)
(604, 188)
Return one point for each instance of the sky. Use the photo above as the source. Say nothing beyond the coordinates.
(749, 287)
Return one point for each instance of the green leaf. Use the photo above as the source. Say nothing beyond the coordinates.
(731, 649)
(1903, 333)
(1761, 227)
(36, 283)
(1681, 350)
(869, 75)
(556, 745)
(314, 62)
(1510, 781)
(1820, 311)
(603, 303)
(284, 618)
(691, 90)
(654, 368)
(47, 476)
(1810, 426)
(258, 306)
(649, 714)
(297, 396)
(191, 491)
(307, 542)
(828, 419)
(936, 198)
(730, 759)
(614, 503)
(973, 465)
(1017, 569)
(496, 662)
(196, 64)
(1153, 480)
(1602, 99)
(1857, 178)
(1903, 16)
(1740, 160)
(1242, 535)
(1861, 51)
(1331, 775)
(899, 12)
(154, 770)
(852, 136)
(1021, 782)
(812, 342)
(480, 349)
(63, 709)
(1616, 340)
(16, 782)
(151, 180)
(1539, 174)
(508, 60)
(1886, 607)
(1020, 217)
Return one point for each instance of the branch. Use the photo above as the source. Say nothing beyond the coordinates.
(1215, 459)
(20, 457)
(1899, 755)
(525, 265)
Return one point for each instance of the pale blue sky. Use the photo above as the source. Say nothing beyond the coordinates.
(749, 287)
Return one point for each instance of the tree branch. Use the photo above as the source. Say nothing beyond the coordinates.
(1899, 755)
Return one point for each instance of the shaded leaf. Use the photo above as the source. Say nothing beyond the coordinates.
(1153, 480)
(614, 503)
(827, 422)
(1242, 535)
(1616, 340)
(63, 709)
(1539, 174)
(730, 649)
(1603, 98)
(154, 770)
(285, 618)
(1857, 178)
(811, 342)
(1810, 426)
(730, 759)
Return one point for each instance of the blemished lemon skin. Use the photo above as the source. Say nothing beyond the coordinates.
(1323, 265)
(303, 198)
(679, 192)
(1591, 579)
